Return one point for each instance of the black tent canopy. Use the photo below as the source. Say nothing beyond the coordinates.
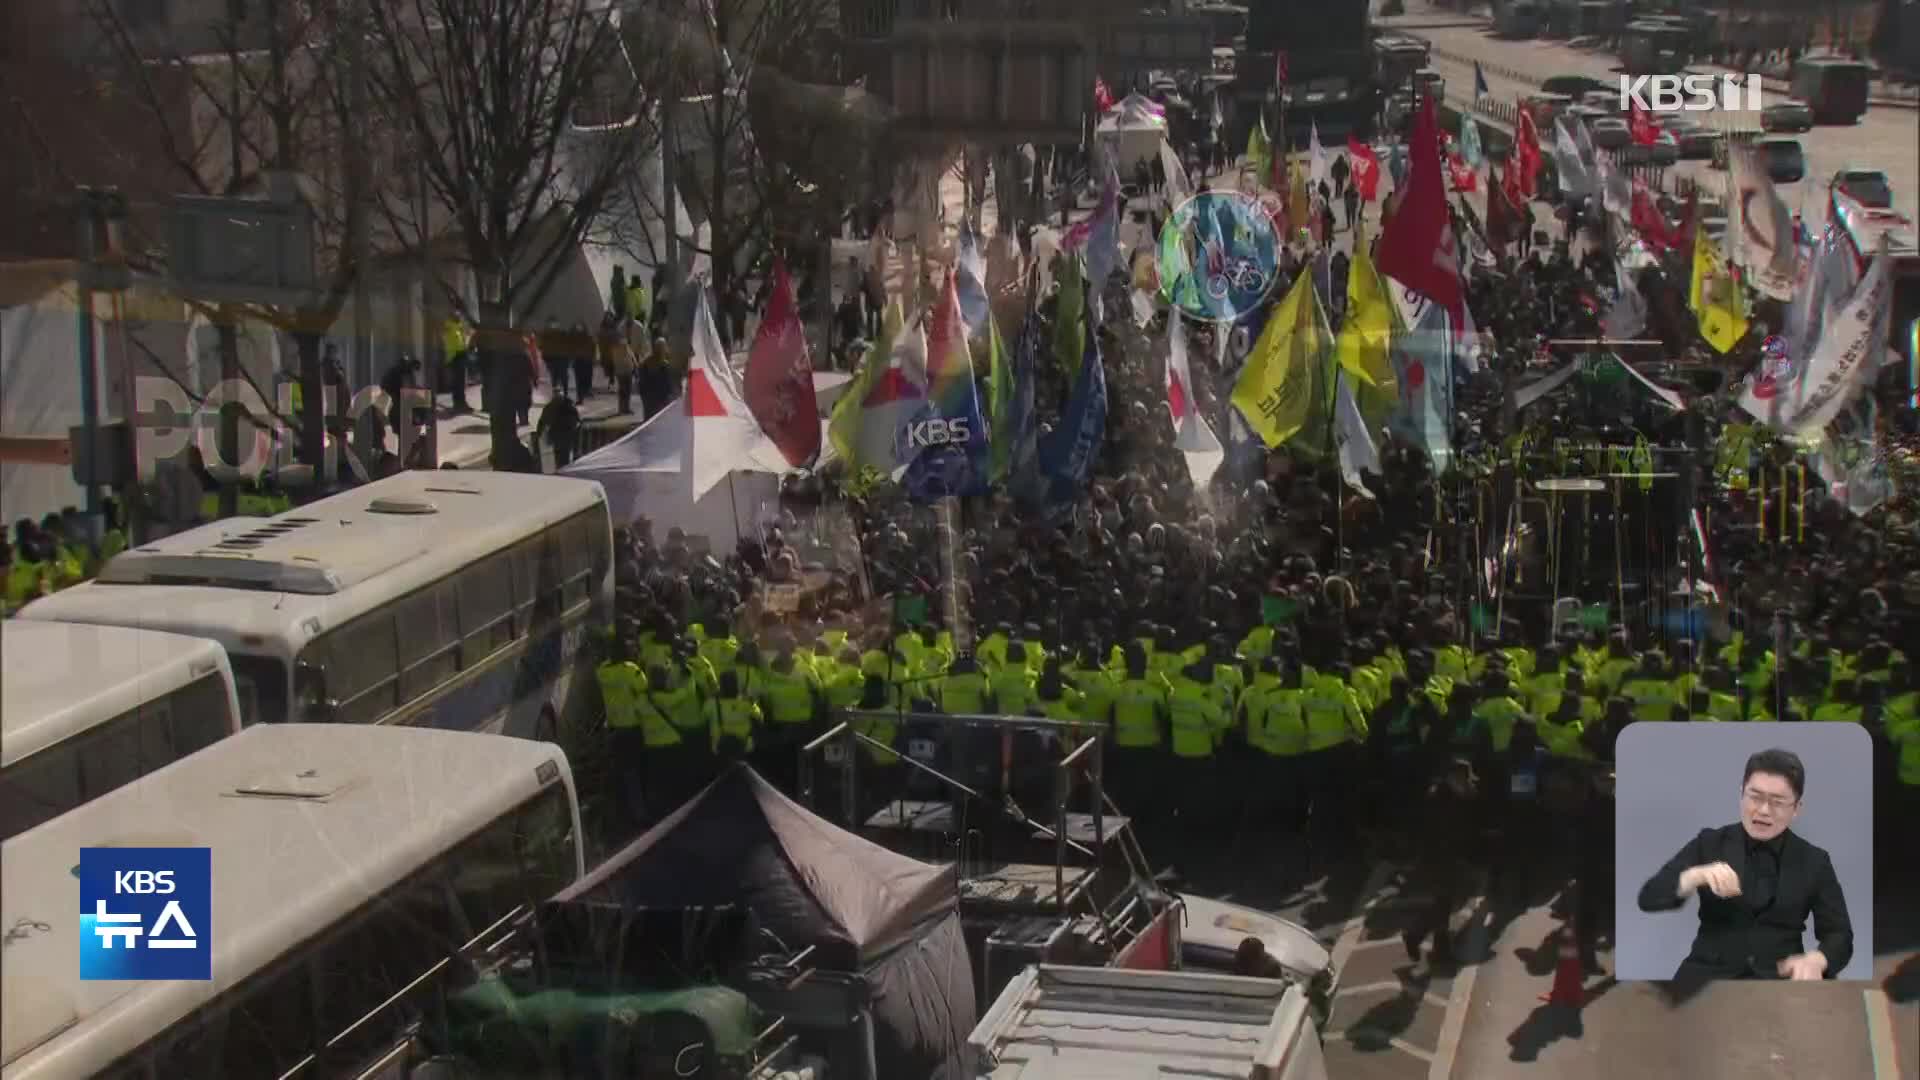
(862, 908)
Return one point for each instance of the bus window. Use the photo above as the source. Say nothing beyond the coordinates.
(41, 787)
(429, 631)
(486, 607)
(260, 682)
(110, 755)
(362, 675)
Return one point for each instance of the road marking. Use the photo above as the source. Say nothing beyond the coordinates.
(1398, 986)
(1394, 1041)
(1886, 1055)
(1357, 923)
(1455, 1021)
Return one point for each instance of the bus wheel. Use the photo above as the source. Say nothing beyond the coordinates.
(547, 728)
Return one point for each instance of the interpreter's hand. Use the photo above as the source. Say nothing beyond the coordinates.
(1719, 877)
(1804, 967)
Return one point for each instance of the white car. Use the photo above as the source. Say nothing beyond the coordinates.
(1611, 133)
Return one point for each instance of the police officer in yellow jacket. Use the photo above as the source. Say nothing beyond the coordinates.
(1139, 713)
(790, 705)
(1274, 720)
(1195, 723)
(627, 750)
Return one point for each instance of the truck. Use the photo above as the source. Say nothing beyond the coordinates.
(1327, 54)
(1851, 195)
(1115, 1024)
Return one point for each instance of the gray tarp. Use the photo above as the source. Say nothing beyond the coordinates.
(863, 908)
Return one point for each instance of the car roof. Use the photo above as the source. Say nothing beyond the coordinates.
(1781, 140)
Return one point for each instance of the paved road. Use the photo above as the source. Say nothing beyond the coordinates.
(1885, 138)
(1732, 1030)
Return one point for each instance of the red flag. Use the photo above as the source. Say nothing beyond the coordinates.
(1102, 96)
(1417, 247)
(1364, 167)
(1280, 68)
(1462, 174)
(1649, 222)
(779, 382)
(1526, 142)
(1645, 131)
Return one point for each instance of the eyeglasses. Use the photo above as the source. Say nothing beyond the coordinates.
(1772, 802)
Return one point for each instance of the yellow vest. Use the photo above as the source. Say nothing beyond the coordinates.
(1910, 762)
(1012, 689)
(1564, 740)
(453, 337)
(1194, 716)
(735, 718)
(681, 706)
(1499, 714)
(1330, 710)
(789, 698)
(617, 694)
(963, 693)
(1136, 712)
(1276, 719)
(1836, 712)
(1652, 698)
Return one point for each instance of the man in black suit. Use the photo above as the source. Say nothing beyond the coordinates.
(1758, 882)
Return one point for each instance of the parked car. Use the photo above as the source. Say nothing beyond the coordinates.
(1665, 150)
(1868, 187)
(1546, 107)
(1788, 114)
(1786, 162)
(1692, 140)
(1574, 86)
(1611, 133)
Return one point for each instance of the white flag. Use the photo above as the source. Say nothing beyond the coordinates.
(1628, 315)
(1805, 398)
(1317, 163)
(1358, 455)
(1179, 188)
(1541, 387)
(1766, 234)
(1575, 179)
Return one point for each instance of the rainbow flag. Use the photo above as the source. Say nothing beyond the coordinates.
(944, 444)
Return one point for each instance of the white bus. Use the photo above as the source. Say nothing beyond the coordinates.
(438, 599)
(87, 709)
(358, 874)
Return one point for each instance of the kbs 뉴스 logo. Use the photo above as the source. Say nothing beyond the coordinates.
(1219, 256)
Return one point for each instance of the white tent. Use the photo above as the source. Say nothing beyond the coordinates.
(1133, 132)
(649, 472)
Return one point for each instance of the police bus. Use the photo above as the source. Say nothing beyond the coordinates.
(442, 599)
(357, 875)
(87, 709)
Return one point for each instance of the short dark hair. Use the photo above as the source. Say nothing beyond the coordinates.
(1778, 762)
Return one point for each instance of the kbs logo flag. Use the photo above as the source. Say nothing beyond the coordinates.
(944, 444)
(779, 382)
(146, 914)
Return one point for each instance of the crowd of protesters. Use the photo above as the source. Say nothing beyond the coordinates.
(1274, 597)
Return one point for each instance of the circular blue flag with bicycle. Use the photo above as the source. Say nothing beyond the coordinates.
(1219, 256)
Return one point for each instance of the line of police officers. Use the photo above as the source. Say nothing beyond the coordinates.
(1211, 732)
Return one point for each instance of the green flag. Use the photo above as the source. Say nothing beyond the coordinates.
(1069, 330)
(999, 402)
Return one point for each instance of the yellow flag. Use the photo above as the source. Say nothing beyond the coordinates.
(1368, 330)
(849, 412)
(1286, 388)
(1715, 296)
(1299, 203)
(1259, 152)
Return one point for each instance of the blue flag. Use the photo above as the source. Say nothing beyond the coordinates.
(1068, 452)
(1024, 481)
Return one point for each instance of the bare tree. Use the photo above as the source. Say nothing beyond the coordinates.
(765, 152)
(524, 116)
(226, 108)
